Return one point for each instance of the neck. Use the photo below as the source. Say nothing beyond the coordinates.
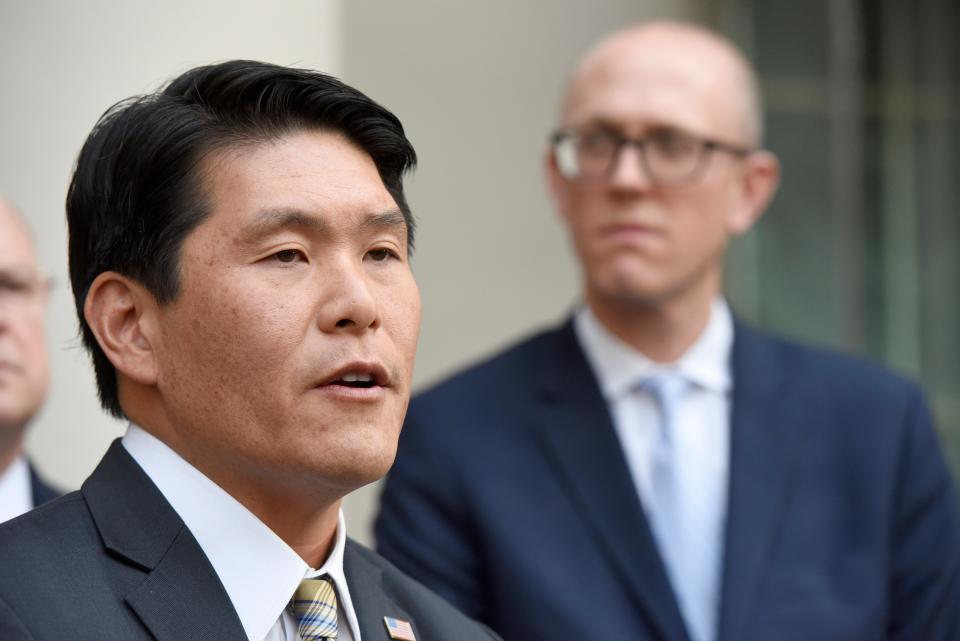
(309, 528)
(664, 330)
(303, 514)
(11, 446)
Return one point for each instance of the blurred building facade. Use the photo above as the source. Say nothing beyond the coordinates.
(859, 250)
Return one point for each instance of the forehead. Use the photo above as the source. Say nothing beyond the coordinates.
(641, 82)
(16, 246)
(311, 171)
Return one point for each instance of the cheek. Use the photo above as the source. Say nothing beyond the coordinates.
(38, 356)
(402, 315)
(232, 340)
(30, 342)
(28, 331)
(23, 343)
(700, 225)
(577, 220)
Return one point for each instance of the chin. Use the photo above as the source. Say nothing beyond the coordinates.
(13, 417)
(628, 290)
(353, 467)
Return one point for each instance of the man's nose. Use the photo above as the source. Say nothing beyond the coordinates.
(630, 171)
(350, 303)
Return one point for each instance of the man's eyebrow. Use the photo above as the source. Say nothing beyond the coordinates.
(271, 221)
(385, 219)
(599, 122)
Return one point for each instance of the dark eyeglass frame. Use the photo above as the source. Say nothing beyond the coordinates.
(706, 147)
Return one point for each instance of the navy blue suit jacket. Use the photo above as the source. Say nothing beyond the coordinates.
(40, 490)
(114, 562)
(511, 497)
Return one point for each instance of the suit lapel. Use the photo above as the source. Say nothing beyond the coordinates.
(369, 598)
(181, 596)
(579, 438)
(764, 440)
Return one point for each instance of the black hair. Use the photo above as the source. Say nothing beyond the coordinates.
(137, 192)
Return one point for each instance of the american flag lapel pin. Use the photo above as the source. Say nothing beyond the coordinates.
(399, 629)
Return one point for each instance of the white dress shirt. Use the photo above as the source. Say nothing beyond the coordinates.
(16, 492)
(259, 571)
(701, 421)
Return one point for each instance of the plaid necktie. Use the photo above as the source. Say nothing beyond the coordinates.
(315, 609)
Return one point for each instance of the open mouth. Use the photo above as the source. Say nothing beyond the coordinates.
(361, 381)
(358, 375)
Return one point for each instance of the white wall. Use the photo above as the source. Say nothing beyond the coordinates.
(61, 65)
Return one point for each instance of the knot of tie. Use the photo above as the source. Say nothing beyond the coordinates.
(667, 389)
(315, 609)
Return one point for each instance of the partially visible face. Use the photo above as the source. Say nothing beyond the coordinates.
(288, 353)
(24, 367)
(640, 243)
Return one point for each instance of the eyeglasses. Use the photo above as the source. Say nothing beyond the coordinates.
(669, 156)
(21, 289)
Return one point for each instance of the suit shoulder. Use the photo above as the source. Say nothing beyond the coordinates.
(828, 361)
(434, 618)
(44, 540)
(394, 579)
(501, 369)
(826, 369)
(49, 515)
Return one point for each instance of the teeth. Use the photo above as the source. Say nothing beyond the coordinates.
(355, 378)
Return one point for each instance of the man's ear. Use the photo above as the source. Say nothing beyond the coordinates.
(121, 314)
(761, 177)
(556, 182)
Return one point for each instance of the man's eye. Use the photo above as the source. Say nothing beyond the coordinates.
(597, 142)
(13, 286)
(673, 143)
(381, 254)
(289, 256)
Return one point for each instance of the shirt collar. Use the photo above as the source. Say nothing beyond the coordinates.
(258, 570)
(16, 491)
(618, 366)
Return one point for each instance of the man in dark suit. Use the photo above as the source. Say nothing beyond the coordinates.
(24, 366)
(654, 469)
(239, 255)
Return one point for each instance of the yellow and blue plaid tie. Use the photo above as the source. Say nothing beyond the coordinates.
(315, 609)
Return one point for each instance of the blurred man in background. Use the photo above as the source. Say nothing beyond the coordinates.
(24, 366)
(655, 468)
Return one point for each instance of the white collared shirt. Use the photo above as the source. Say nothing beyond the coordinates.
(16, 492)
(259, 571)
(702, 421)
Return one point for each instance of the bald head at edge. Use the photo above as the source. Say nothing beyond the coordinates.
(696, 44)
(9, 214)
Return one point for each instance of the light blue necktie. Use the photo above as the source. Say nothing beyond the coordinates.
(685, 542)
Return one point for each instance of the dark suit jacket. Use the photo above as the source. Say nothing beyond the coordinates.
(114, 562)
(40, 490)
(511, 497)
